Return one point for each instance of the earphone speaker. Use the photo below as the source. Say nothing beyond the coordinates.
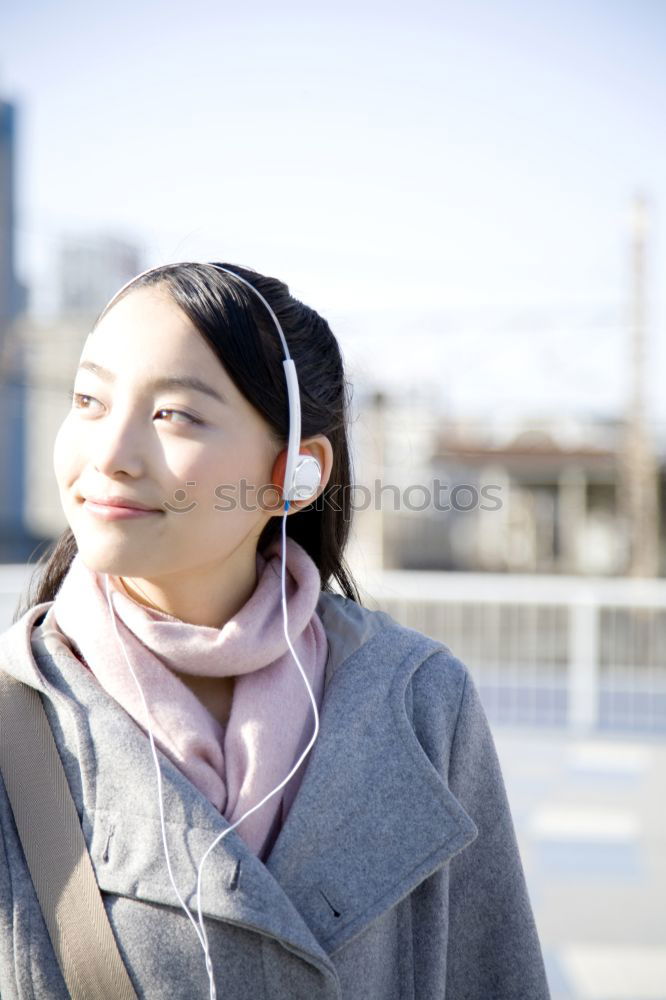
(307, 477)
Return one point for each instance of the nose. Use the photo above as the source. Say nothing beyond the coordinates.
(117, 448)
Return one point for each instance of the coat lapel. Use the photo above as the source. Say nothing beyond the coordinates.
(372, 817)
(371, 820)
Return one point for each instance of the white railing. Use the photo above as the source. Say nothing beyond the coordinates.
(13, 579)
(588, 654)
(585, 653)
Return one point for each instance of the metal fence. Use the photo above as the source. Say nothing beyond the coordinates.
(13, 580)
(586, 654)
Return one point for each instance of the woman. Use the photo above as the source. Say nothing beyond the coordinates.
(387, 866)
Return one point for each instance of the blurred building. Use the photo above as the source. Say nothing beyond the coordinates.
(91, 268)
(52, 350)
(13, 295)
(545, 500)
(540, 496)
(15, 542)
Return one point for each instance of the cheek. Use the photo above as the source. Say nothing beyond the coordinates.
(64, 454)
(225, 470)
(191, 478)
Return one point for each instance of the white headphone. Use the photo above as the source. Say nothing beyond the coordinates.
(302, 477)
(306, 479)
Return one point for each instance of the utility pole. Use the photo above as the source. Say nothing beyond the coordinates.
(639, 481)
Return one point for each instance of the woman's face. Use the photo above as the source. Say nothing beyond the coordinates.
(168, 447)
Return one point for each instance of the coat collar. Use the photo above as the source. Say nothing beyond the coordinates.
(369, 791)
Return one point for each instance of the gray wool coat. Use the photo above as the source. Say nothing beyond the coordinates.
(396, 876)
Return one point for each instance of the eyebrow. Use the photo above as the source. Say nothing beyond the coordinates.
(164, 382)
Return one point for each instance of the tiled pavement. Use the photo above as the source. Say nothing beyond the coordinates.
(590, 816)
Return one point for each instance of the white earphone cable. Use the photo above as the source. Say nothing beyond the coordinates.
(200, 929)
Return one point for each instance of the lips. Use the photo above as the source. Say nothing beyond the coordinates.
(124, 502)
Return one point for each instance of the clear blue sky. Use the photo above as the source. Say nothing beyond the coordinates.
(452, 175)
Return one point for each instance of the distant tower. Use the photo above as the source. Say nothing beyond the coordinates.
(13, 538)
(638, 464)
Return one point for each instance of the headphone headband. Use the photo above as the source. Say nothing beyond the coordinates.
(293, 484)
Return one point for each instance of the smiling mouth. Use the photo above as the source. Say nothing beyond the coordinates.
(113, 512)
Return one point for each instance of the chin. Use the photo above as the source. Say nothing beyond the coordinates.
(111, 559)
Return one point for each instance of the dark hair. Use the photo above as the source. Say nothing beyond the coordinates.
(237, 326)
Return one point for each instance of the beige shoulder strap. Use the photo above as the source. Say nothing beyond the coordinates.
(55, 849)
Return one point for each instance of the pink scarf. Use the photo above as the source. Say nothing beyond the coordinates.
(271, 720)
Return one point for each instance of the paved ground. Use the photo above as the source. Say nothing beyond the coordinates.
(590, 815)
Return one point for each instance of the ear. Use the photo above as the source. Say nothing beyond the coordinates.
(320, 448)
(277, 475)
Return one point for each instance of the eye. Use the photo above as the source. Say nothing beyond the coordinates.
(77, 399)
(180, 413)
